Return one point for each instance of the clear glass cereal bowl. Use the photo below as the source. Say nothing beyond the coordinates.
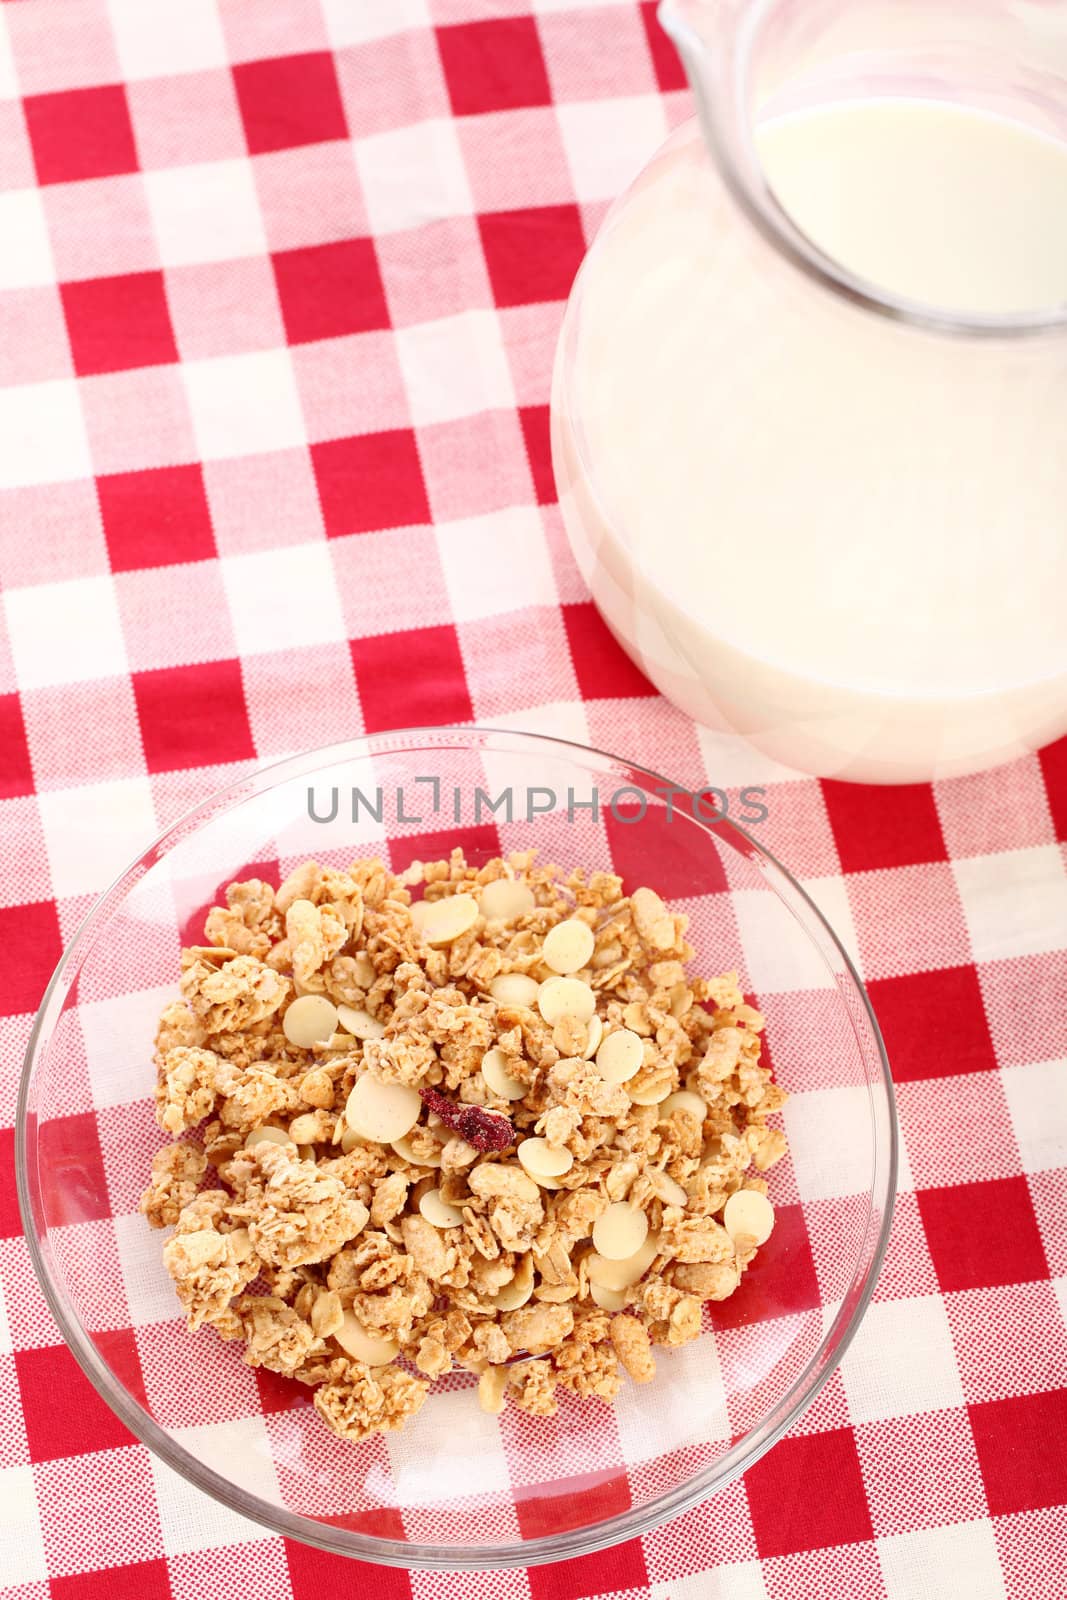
(457, 1488)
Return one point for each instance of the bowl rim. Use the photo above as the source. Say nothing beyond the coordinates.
(570, 1543)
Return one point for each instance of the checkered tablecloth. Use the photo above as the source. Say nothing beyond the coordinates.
(279, 287)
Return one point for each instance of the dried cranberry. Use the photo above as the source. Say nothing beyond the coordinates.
(485, 1130)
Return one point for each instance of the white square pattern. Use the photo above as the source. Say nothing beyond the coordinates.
(190, 1520)
(830, 1168)
(93, 833)
(44, 437)
(242, 405)
(608, 141)
(149, 1288)
(21, 1546)
(205, 213)
(26, 259)
(496, 563)
(731, 762)
(372, 19)
(83, 613)
(957, 1563)
(901, 1361)
(690, 1406)
(1037, 1099)
(1015, 903)
(737, 1580)
(282, 599)
(453, 1428)
(166, 37)
(414, 175)
(455, 367)
(779, 954)
(831, 897)
(9, 83)
(118, 1073)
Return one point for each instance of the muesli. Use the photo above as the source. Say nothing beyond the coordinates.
(499, 1126)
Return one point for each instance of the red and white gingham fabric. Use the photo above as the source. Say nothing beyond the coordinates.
(279, 287)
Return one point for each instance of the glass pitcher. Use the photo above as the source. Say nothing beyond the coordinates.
(825, 513)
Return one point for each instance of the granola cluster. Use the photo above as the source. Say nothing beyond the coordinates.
(497, 1126)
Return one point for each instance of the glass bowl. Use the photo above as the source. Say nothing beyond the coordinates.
(457, 1488)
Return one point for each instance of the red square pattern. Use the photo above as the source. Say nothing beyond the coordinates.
(575, 1502)
(409, 679)
(782, 1280)
(145, 1580)
(881, 826)
(493, 66)
(63, 1413)
(80, 133)
(329, 290)
(1022, 1448)
(117, 323)
(535, 432)
(787, 1516)
(982, 1234)
(157, 518)
(934, 1023)
(532, 255)
(602, 667)
(16, 773)
(316, 1574)
(72, 1167)
(10, 1220)
(370, 482)
(193, 716)
(33, 945)
(1054, 771)
(660, 848)
(618, 1571)
(669, 72)
(290, 100)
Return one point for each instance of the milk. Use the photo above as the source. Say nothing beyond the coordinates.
(839, 535)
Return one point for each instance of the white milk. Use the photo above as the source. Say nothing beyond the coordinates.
(842, 536)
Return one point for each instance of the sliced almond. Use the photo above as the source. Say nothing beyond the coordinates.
(445, 920)
(620, 1231)
(620, 1056)
(607, 1299)
(504, 900)
(560, 997)
(498, 1078)
(310, 1020)
(514, 989)
(438, 1212)
(381, 1111)
(748, 1215)
(684, 1100)
(359, 1023)
(568, 946)
(622, 1274)
(518, 1291)
(361, 1345)
(543, 1160)
(268, 1135)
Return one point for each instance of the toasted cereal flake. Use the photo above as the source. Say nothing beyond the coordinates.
(633, 1347)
